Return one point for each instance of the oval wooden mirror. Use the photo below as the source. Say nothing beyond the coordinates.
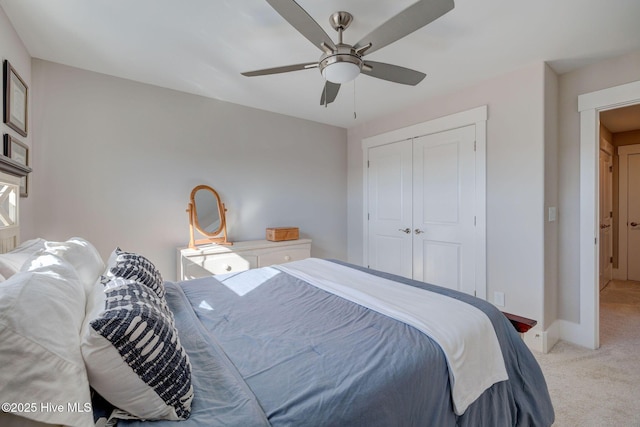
(207, 216)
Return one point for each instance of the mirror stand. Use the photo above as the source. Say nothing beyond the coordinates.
(222, 240)
(213, 211)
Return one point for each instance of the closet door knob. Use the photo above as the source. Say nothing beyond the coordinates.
(634, 224)
(418, 231)
(406, 230)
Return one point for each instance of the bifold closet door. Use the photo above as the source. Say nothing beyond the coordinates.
(443, 209)
(421, 208)
(390, 208)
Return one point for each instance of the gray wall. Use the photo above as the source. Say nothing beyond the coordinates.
(515, 179)
(115, 160)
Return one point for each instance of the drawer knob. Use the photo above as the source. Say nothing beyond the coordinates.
(287, 258)
(228, 268)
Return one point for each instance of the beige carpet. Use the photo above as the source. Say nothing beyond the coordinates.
(600, 387)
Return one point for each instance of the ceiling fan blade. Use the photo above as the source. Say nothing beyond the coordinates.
(284, 69)
(406, 22)
(393, 73)
(301, 21)
(330, 91)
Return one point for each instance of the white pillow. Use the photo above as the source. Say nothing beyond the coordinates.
(12, 261)
(129, 341)
(83, 256)
(41, 312)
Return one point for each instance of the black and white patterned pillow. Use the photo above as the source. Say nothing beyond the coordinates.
(129, 265)
(134, 357)
(142, 293)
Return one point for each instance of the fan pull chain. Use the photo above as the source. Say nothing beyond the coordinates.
(354, 101)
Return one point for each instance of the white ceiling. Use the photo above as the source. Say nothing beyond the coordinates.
(202, 46)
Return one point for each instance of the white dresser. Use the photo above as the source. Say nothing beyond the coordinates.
(219, 259)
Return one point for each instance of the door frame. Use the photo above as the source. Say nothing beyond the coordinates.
(587, 332)
(606, 148)
(475, 116)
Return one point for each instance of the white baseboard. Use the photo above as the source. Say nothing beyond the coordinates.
(574, 333)
(541, 341)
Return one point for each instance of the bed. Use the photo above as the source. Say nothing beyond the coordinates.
(309, 343)
(301, 355)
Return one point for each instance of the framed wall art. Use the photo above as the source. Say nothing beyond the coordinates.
(16, 98)
(19, 153)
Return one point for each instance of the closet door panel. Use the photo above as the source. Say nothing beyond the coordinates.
(441, 263)
(443, 209)
(389, 208)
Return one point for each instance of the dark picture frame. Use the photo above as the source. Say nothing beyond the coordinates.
(19, 153)
(16, 100)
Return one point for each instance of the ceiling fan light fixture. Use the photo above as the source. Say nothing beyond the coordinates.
(341, 72)
(341, 66)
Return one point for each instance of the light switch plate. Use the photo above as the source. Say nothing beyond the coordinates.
(498, 299)
(553, 213)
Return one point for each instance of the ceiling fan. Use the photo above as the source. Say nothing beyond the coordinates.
(341, 62)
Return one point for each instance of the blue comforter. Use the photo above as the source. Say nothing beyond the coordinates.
(285, 353)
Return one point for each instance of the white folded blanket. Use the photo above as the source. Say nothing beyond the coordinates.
(464, 332)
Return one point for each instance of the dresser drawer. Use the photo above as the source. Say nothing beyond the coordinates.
(213, 259)
(221, 264)
(281, 256)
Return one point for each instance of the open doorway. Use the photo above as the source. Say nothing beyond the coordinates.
(619, 178)
(590, 105)
(619, 209)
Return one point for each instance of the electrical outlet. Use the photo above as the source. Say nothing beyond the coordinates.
(498, 299)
